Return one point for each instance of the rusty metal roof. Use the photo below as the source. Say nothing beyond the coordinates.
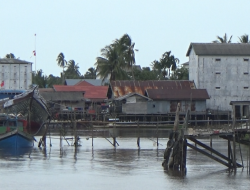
(177, 94)
(132, 94)
(121, 88)
(91, 92)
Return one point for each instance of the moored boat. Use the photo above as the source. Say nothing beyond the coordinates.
(32, 107)
(13, 132)
(23, 117)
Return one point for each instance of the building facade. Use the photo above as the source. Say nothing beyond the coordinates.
(15, 74)
(222, 69)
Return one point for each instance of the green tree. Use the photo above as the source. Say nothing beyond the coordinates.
(90, 74)
(39, 79)
(180, 74)
(145, 74)
(72, 70)
(10, 56)
(244, 39)
(125, 47)
(61, 62)
(223, 39)
(166, 64)
(111, 64)
(53, 80)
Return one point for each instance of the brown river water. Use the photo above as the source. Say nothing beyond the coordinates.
(105, 167)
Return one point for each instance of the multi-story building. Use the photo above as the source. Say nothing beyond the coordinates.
(224, 70)
(15, 76)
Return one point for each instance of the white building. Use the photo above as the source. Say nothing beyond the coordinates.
(15, 74)
(224, 70)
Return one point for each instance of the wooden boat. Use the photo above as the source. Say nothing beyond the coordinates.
(13, 132)
(24, 116)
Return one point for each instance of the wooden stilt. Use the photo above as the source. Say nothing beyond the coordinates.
(92, 131)
(157, 133)
(138, 135)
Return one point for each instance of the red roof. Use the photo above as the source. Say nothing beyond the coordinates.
(83, 83)
(91, 92)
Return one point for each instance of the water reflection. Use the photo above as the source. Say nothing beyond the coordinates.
(14, 152)
(105, 167)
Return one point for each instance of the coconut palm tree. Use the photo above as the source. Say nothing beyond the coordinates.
(126, 48)
(10, 56)
(244, 39)
(111, 64)
(90, 74)
(61, 62)
(223, 39)
(166, 64)
(72, 70)
(39, 79)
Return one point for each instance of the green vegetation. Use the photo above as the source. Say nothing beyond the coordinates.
(244, 39)
(223, 39)
(117, 62)
(10, 56)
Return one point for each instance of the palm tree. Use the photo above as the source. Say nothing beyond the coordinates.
(90, 74)
(166, 64)
(126, 47)
(244, 39)
(61, 62)
(72, 70)
(10, 56)
(39, 79)
(223, 39)
(111, 64)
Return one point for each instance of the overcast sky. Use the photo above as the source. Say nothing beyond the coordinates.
(80, 28)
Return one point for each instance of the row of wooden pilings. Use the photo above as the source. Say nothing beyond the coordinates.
(176, 151)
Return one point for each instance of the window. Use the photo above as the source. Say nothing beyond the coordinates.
(217, 87)
(217, 59)
(245, 87)
(246, 59)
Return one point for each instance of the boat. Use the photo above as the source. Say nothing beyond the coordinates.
(13, 132)
(26, 112)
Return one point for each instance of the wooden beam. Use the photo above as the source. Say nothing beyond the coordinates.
(211, 150)
(209, 155)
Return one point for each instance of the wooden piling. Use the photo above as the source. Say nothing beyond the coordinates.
(75, 133)
(91, 118)
(157, 140)
(138, 135)
(234, 144)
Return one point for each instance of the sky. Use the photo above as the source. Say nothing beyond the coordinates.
(81, 28)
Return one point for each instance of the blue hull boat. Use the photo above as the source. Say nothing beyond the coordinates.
(16, 139)
(24, 116)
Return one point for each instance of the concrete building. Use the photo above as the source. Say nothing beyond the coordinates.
(15, 74)
(222, 69)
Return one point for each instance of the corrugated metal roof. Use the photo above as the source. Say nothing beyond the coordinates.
(132, 94)
(13, 61)
(62, 96)
(121, 88)
(91, 92)
(177, 94)
(95, 82)
(83, 83)
(229, 49)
